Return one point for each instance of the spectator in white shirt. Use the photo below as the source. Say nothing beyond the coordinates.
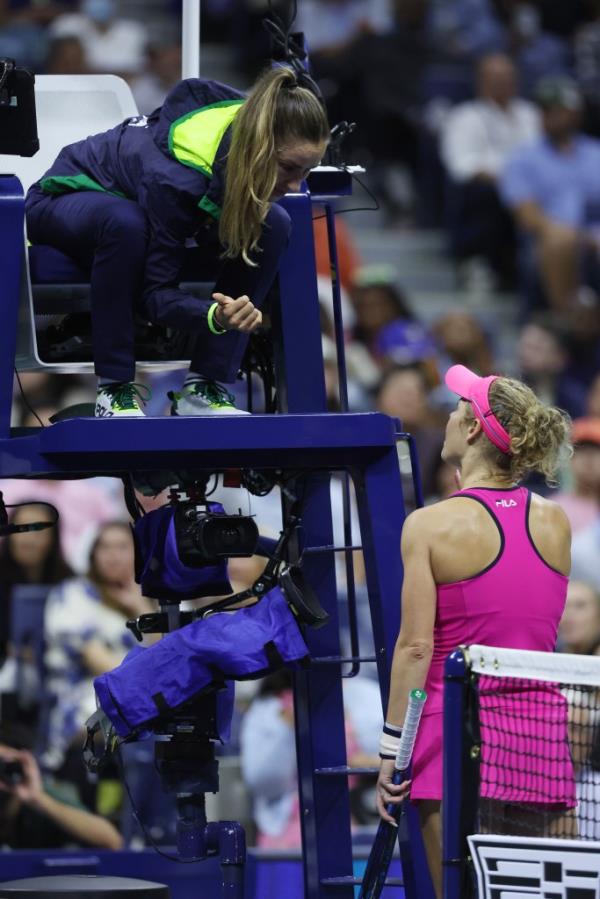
(477, 139)
(111, 43)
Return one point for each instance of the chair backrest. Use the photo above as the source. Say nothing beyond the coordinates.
(70, 108)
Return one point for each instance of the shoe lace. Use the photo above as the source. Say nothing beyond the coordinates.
(215, 393)
(128, 395)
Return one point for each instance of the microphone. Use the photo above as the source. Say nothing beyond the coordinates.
(7, 528)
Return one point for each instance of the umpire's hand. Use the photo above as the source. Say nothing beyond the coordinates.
(237, 315)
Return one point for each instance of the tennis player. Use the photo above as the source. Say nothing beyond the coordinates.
(488, 565)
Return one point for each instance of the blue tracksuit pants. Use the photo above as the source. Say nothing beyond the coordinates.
(108, 236)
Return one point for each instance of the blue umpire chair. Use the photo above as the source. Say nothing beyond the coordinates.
(366, 447)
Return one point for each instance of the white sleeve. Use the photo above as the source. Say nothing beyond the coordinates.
(362, 704)
(463, 143)
(268, 750)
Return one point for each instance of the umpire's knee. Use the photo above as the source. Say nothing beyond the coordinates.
(126, 221)
(278, 225)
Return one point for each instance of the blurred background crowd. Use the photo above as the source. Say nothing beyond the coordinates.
(478, 125)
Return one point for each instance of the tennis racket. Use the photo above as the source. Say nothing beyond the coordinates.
(385, 838)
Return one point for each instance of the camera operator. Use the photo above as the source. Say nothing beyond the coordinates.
(207, 166)
(32, 817)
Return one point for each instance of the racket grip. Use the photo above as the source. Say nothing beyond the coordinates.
(416, 701)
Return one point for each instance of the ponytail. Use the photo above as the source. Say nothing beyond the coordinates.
(539, 434)
(276, 111)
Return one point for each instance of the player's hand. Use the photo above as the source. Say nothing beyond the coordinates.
(388, 792)
(237, 315)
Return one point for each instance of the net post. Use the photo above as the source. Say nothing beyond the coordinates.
(456, 674)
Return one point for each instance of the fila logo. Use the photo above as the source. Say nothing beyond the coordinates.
(506, 503)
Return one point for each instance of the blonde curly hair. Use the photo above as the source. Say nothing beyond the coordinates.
(539, 434)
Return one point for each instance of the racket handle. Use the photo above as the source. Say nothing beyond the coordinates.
(414, 710)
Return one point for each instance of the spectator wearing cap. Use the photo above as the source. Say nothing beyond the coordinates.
(408, 343)
(553, 189)
(377, 301)
(581, 500)
(477, 139)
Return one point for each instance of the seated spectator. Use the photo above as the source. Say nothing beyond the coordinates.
(581, 501)
(163, 71)
(86, 636)
(537, 52)
(579, 630)
(592, 407)
(404, 343)
(477, 139)
(83, 505)
(552, 186)
(28, 558)
(377, 301)
(66, 56)
(585, 553)
(268, 751)
(542, 361)
(466, 28)
(587, 68)
(403, 393)
(22, 37)
(111, 43)
(462, 340)
(35, 814)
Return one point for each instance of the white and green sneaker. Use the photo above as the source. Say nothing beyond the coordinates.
(121, 400)
(199, 396)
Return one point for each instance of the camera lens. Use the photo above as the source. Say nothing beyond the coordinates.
(230, 536)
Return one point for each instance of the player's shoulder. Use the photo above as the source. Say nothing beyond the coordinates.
(549, 512)
(429, 520)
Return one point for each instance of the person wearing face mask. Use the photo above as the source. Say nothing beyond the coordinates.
(206, 167)
(111, 43)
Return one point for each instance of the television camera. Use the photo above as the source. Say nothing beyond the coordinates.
(180, 688)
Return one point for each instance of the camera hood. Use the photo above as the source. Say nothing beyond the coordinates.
(302, 598)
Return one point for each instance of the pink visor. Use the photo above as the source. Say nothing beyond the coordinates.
(469, 386)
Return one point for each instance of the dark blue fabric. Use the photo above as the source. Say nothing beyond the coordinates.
(107, 236)
(49, 266)
(160, 571)
(239, 645)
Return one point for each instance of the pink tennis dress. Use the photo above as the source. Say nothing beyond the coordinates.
(516, 602)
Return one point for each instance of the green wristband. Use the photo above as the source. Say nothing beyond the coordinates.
(213, 325)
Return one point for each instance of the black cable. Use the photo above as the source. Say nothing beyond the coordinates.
(355, 208)
(210, 492)
(147, 836)
(25, 400)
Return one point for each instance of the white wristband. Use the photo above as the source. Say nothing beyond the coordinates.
(390, 740)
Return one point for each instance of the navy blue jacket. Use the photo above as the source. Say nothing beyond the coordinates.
(147, 159)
